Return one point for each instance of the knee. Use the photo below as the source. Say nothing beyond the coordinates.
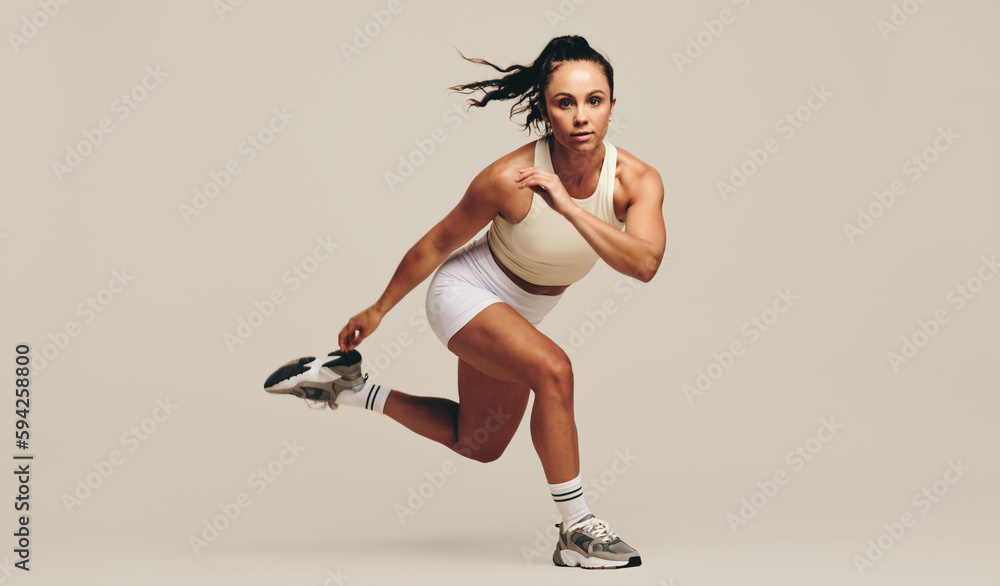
(481, 453)
(487, 455)
(555, 379)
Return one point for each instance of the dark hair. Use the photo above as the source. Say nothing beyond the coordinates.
(527, 83)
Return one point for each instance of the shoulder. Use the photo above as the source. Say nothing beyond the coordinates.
(506, 167)
(498, 177)
(636, 177)
(487, 196)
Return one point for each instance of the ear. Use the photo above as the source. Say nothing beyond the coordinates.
(613, 102)
(543, 111)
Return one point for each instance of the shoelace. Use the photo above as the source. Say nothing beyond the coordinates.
(598, 528)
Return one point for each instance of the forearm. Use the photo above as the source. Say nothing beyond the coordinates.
(624, 252)
(417, 264)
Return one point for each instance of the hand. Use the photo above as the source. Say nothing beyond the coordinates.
(547, 185)
(358, 328)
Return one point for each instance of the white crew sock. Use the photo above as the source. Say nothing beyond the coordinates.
(569, 499)
(370, 396)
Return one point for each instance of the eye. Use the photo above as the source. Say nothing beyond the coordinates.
(564, 103)
(595, 101)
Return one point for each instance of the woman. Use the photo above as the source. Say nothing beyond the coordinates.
(556, 206)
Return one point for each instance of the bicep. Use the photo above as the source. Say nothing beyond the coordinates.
(474, 211)
(644, 216)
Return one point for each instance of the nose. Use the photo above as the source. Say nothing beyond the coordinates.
(580, 119)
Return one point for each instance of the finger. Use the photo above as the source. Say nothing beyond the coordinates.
(540, 187)
(528, 172)
(356, 337)
(349, 341)
(345, 339)
(533, 182)
(538, 176)
(346, 334)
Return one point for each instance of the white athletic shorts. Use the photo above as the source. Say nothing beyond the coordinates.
(468, 282)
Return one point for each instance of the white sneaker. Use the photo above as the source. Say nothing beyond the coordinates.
(590, 544)
(318, 381)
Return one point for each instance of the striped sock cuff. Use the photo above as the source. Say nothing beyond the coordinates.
(569, 500)
(370, 396)
(375, 396)
(568, 495)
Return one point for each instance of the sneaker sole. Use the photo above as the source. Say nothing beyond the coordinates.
(348, 366)
(344, 361)
(288, 371)
(572, 559)
(342, 364)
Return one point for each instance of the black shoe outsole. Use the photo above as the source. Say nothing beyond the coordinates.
(349, 358)
(293, 368)
(632, 562)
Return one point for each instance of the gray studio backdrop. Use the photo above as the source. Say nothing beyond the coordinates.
(195, 192)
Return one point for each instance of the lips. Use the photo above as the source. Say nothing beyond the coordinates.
(582, 135)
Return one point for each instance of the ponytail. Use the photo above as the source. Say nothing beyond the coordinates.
(527, 83)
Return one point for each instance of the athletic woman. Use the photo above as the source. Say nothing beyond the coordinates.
(554, 206)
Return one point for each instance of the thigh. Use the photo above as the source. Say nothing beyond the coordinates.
(500, 343)
(501, 358)
(489, 412)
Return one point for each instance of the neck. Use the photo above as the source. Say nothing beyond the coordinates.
(573, 167)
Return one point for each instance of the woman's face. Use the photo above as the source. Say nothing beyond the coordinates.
(578, 105)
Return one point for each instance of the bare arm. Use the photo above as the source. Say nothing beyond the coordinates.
(636, 252)
(461, 224)
(476, 209)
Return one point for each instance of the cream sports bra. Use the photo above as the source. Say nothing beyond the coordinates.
(544, 248)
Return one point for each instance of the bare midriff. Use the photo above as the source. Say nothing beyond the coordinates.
(529, 287)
